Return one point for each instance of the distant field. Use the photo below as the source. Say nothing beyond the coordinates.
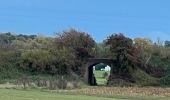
(99, 77)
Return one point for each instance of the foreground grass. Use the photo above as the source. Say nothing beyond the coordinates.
(11, 94)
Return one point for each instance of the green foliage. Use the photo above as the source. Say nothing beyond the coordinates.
(166, 79)
(67, 53)
(100, 66)
(159, 62)
(144, 79)
(102, 51)
(121, 48)
(8, 65)
(36, 59)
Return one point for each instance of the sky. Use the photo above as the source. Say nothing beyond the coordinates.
(99, 18)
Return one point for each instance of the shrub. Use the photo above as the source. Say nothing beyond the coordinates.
(165, 80)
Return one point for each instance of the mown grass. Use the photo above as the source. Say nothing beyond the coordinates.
(11, 94)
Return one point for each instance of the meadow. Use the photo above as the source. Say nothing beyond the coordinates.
(19, 94)
(11, 94)
(101, 80)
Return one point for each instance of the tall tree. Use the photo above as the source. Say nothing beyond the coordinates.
(123, 53)
(79, 44)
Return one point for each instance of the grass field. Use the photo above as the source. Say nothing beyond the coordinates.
(11, 94)
(99, 77)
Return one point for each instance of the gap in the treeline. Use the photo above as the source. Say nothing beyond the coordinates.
(101, 72)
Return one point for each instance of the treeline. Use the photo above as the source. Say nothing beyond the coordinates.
(67, 52)
(45, 55)
(138, 60)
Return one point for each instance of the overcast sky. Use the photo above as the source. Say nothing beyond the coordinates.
(100, 18)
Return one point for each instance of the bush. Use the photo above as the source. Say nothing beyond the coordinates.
(166, 79)
(9, 72)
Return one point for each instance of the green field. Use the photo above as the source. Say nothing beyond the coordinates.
(11, 94)
(99, 77)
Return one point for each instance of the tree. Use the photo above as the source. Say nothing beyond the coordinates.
(79, 44)
(123, 53)
(75, 40)
(145, 49)
(100, 66)
(102, 51)
(167, 43)
(143, 43)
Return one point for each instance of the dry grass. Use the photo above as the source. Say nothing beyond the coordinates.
(124, 91)
(112, 91)
(7, 85)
